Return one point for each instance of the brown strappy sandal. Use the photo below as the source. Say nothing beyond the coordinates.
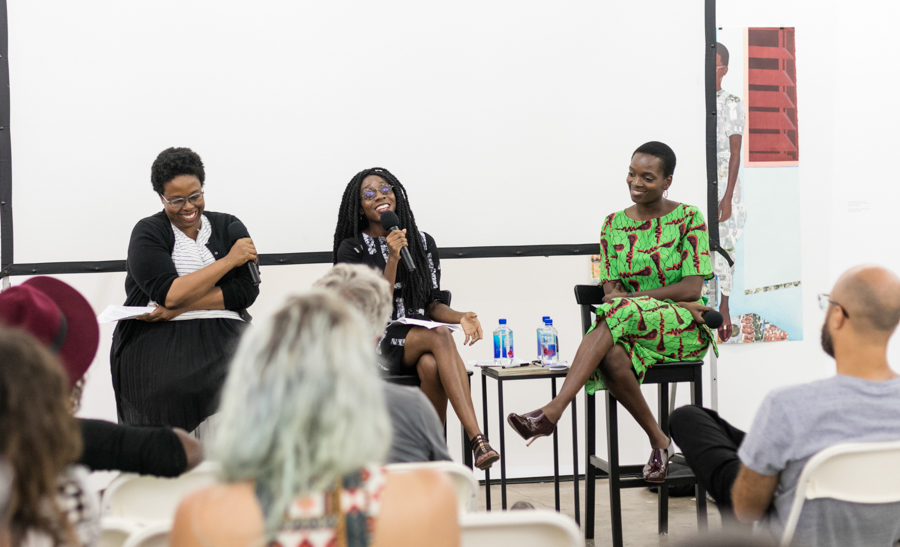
(485, 456)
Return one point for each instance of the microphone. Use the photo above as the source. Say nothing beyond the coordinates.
(236, 231)
(712, 318)
(390, 222)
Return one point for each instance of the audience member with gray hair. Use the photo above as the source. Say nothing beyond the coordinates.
(753, 476)
(418, 434)
(304, 428)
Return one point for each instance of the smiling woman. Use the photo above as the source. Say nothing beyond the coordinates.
(169, 365)
(359, 238)
(655, 256)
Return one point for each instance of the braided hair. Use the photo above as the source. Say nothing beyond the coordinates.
(417, 285)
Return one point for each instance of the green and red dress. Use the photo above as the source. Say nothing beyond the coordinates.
(646, 255)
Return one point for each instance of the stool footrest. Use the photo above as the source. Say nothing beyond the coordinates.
(631, 476)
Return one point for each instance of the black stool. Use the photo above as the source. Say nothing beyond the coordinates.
(630, 476)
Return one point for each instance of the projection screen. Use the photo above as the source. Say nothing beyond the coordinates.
(509, 122)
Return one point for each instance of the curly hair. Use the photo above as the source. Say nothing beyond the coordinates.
(417, 285)
(173, 162)
(662, 151)
(39, 437)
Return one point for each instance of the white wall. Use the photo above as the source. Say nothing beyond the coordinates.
(847, 140)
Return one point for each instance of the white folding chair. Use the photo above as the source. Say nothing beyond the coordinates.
(114, 531)
(845, 472)
(155, 535)
(464, 483)
(526, 528)
(144, 499)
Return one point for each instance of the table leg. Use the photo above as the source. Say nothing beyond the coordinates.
(502, 445)
(555, 452)
(484, 422)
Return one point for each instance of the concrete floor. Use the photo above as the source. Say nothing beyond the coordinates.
(639, 511)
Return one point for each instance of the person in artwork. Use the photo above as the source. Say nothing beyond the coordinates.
(753, 475)
(655, 257)
(168, 366)
(359, 238)
(732, 212)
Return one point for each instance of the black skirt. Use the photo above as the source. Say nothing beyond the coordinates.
(171, 372)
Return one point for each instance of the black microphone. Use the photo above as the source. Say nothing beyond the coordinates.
(712, 318)
(390, 222)
(236, 231)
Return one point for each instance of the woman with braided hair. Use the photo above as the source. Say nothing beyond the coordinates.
(359, 238)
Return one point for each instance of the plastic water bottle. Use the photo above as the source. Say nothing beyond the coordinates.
(503, 342)
(544, 320)
(549, 345)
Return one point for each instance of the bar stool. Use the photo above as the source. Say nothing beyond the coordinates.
(630, 476)
(413, 380)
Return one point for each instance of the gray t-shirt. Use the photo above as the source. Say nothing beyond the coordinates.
(795, 423)
(418, 433)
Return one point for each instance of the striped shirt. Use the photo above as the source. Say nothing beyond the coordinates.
(190, 256)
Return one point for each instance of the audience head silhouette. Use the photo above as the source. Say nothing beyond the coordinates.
(303, 404)
(39, 437)
(364, 289)
(863, 311)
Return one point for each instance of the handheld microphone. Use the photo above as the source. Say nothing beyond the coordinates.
(236, 231)
(390, 222)
(712, 318)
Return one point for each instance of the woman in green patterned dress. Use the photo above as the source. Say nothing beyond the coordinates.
(655, 256)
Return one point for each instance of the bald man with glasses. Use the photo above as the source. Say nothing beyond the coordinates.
(753, 475)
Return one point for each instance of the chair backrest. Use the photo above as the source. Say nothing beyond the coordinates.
(464, 483)
(446, 296)
(588, 296)
(114, 531)
(147, 499)
(155, 535)
(845, 472)
(526, 528)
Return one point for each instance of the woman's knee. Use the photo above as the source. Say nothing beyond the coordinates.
(441, 339)
(427, 368)
(616, 363)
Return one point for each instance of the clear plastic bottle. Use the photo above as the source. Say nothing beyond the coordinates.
(503, 343)
(549, 345)
(543, 324)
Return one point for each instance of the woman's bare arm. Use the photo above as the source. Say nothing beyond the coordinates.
(686, 290)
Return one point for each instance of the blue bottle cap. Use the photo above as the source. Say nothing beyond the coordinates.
(549, 321)
(544, 318)
(503, 321)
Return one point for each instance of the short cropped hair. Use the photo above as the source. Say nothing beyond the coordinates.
(173, 162)
(303, 404)
(363, 288)
(662, 151)
(722, 52)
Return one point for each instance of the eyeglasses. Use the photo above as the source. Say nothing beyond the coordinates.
(178, 203)
(370, 193)
(824, 301)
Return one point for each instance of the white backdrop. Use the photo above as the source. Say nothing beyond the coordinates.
(848, 136)
(503, 119)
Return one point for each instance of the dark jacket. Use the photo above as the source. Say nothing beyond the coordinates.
(150, 270)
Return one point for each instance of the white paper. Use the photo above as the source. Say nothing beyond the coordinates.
(504, 363)
(118, 313)
(427, 324)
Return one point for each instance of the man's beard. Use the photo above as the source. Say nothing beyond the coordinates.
(827, 343)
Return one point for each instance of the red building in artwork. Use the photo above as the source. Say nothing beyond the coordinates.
(772, 134)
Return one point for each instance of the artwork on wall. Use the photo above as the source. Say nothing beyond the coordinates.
(757, 160)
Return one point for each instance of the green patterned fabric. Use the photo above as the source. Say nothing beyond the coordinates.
(646, 255)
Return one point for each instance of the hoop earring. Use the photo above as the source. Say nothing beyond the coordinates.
(666, 193)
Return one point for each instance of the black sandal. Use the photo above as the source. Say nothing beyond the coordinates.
(485, 456)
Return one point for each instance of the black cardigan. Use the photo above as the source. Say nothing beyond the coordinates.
(150, 270)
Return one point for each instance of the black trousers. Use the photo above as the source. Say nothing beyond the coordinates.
(710, 446)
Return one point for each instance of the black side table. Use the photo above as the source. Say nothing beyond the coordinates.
(528, 372)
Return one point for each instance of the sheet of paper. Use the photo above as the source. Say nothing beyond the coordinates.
(428, 324)
(505, 363)
(118, 313)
